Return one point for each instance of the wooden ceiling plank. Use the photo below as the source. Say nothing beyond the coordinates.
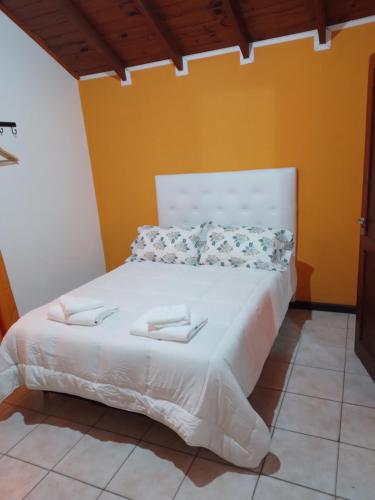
(321, 20)
(194, 25)
(156, 25)
(237, 20)
(93, 37)
(36, 39)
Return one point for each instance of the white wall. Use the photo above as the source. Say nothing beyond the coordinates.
(49, 229)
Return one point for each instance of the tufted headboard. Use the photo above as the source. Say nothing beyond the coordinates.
(248, 197)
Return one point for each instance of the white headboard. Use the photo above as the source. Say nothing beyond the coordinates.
(248, 197)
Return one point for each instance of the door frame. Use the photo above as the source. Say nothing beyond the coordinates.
(365, 244)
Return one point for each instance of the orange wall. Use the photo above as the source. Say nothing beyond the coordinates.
(292, 107)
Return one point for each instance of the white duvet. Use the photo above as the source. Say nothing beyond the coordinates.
(198, 389)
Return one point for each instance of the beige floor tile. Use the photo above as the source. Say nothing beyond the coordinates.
(317, 417)
(97, 457)
(326, 335)
(106, 495)
(151, 473)
(328, 318)
(163, 436)
(316, 382)
(359, 390)
(291, 328)
(56, 487)
(18, 478)
(356, 478)
(266, 402)
(80, 410)
(351, 321)
(212, 481)
(283, 350)
(49, 442)
(298, 316)
(124, 422)
(269, 488)
(358, 425)
(15, 424)
(350, 340)
(210, 455)
(353, 364)
(44, 402)
(304, 460)
(319, 355)
(303, 317)
(274, 375)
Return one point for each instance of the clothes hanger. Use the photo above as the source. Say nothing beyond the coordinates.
(9, 158)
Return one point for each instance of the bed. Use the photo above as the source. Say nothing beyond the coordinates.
(199, 389)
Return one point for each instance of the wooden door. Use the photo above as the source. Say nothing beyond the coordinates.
(365, 329)
(8, 308)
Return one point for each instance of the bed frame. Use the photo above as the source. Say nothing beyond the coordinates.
(249, 197)
(257, 197)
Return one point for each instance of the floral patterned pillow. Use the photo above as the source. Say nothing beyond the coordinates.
(171, 245)
(252, 247)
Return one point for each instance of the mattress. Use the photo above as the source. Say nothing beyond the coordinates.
(198, 389)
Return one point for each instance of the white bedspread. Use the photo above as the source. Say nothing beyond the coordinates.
(198, 389)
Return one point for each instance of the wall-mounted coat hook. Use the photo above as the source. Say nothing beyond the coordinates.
(11, 125)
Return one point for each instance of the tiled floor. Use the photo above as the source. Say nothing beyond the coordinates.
(314, 394)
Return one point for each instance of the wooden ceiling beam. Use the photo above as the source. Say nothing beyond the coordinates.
(92, 36)
(234, 13)
(156, 25)
(321, 20)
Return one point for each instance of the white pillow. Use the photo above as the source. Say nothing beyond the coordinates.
(253, 247)
(171, 245)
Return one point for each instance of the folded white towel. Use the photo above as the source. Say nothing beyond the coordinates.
(177, 334)
(72, 305)
(169, 315)
(85, 318)
(159, 326)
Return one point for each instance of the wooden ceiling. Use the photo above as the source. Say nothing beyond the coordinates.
(91, 36)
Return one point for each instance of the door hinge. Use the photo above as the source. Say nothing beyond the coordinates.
(362, 221)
